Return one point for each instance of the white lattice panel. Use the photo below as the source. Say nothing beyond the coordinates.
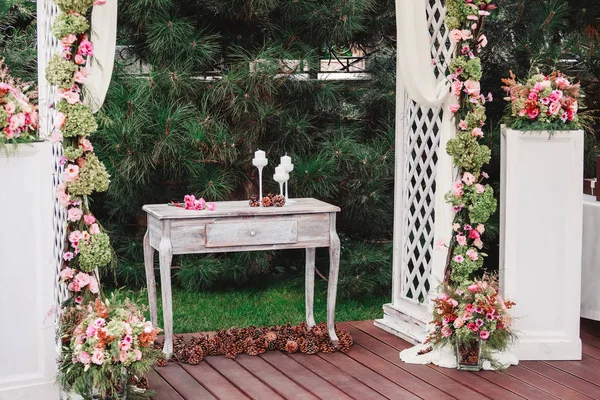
(421, 146)
(48, 45)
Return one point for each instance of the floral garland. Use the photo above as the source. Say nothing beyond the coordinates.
(88, 246)
(18, 116)
(472, 199)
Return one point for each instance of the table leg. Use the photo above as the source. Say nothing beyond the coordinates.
(334, 266)
(310, 286)
(165, 256)
(150, 279)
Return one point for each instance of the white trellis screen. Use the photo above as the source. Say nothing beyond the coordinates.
(48, 45)
(417, 146)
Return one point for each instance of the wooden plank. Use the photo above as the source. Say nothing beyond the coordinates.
(387, 352)
(410, 382)
(591, 351)
(545, 384)
(244, 380)
(162, 389)
(274, 378)
(515, 385)
(303, 376)
(214, 382)
(240, 208)
(564, 378)
(183, 382)
(590, 339)
(337, 377)
(580, 369)
(478, 384)
(367, 376)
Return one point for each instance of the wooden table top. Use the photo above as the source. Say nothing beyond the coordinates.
(241, 209)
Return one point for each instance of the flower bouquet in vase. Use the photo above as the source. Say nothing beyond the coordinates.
(474, 319)
(106, 346)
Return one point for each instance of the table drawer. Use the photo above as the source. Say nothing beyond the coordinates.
(251, 233)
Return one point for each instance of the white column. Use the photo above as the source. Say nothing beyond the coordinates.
(27, 275)
(540, 244)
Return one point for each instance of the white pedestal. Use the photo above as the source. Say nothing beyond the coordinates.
(540, 243)
(27, 279)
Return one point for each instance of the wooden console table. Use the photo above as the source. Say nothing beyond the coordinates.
(235, 226)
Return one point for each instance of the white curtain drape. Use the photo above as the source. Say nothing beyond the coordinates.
(416, 76)
(104, 38)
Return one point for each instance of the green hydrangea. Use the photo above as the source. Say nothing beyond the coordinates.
(473, 69)
(73, 152)
(467, 153)
(461, 271)
(59, 72)
(79, 119)
(3, 117)
(78, 6)
(482, 206)
(66, 24)
(457, 12)
(92, 178)
(96, 253)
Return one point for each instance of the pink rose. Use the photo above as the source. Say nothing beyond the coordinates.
(554, 108)
(60, 120)
(555, 96)
(10, 107)
(477, 132)
(189, 201)
(94, 229)
(533, 113)
(478, 243)
(211, 206)
(83, 279)
(123, 356)
(199, 204)
(89, 219)
(70, 96)
(459, 259)
(480, 228)
(473, 289)
(463, 125)
(461, 239)
(81, 75)
(457, 87)
(472, 254)
(466, 34)
(86, 48)
(84, 358)
(456, 35)
(484, 335)
(458, 323)
(124, 345)
(63, 197)
(533, 95)
(562, 83)
(71, 173)
(69, 40)
(75, 236)
(479, 188)
(85, 235)
(473, 326)
(74, 214)
(90, 331)
(93, 285)
(472, 88)
(446, 331)
(66, 273)
(98, 357)
(454, 108)
(85, 144)
(474, 234)
(56, 137)
(457, 189)
(79, 59)
(468, 178)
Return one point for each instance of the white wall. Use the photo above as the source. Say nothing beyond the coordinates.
(27, 278)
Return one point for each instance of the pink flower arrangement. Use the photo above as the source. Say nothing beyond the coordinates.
(190, 202)
(549, 99)
(18, 116)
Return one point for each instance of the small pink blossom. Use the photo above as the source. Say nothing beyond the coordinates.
(483, 40)
(479, 188)
(463, 125)
(466, 34)
(66, 273)
(84, 358)
(71, 173)
(468, 227)
(457, 86)
(446, 331)
(68, 256)
(461, 239)
(554, 108)
(485, 175)
(480, 323)
(477, 132)
(74, 214)
(86, 48)
(468, 178)
(69, 40)
(79, 59)
(472, 254)
(94, 229)
(89, 219)
(485, 335)
(75, 236)
(61, 195)
(98, 357)
(211, 206)
(78, 300)
(70, 96)
(456, 35)
(555, 96)
(472, 88)
(454, 108)
(459, 259)
(81, 75)
(533, 113)
(458, 323)
(474, 235)
(457, 189)
(480, 228)
(478, 243)
(85, 144)
(473, 289)
(443, 297)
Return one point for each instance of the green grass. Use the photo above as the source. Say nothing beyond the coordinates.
(280, 303)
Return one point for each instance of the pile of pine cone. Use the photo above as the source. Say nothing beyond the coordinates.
(254, 341)
(267, 201)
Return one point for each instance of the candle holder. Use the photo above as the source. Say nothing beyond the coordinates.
(260, 161)
(281, 177)
(286, 162)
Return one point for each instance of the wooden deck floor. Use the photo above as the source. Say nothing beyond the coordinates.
(372, 370)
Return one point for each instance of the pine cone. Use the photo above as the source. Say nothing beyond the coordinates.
(196, 355)
(161, 362)
(278, 201)
(266, 202)
(212, 345)
(140, 383)
(270, 195)
(251, 347)
(180, 349)
(254, 201)
(345, 341)
(291, 346)
(308, 345)
(326, 346)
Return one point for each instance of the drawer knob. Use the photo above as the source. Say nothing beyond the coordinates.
(252, 233)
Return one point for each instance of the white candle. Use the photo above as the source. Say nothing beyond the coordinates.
(280, 169)
(286, 161)
(260, 154)
(260, 159)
